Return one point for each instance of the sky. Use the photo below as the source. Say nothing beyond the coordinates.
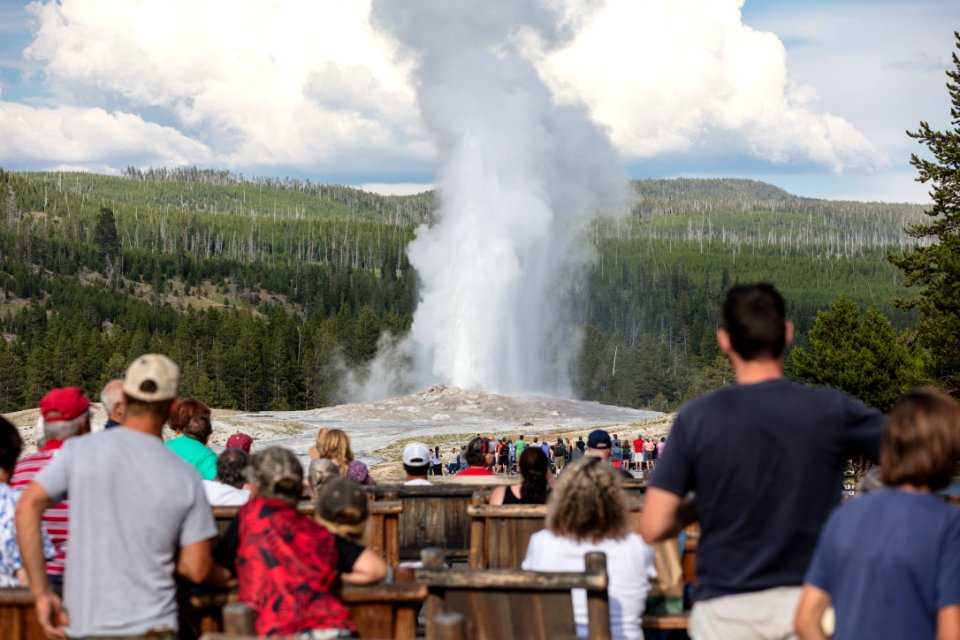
(813, 96)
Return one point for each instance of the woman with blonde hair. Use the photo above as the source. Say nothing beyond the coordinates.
(335, 445)
(588, 512)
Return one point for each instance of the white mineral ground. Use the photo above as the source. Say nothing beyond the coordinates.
(439, 416)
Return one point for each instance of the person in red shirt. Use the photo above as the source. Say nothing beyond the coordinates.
(286, 563)
(638, 452)
(65, 413)
(479, 456)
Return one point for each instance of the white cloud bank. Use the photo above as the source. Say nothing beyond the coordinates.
(308, 84)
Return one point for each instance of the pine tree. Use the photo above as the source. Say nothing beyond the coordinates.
(859, 354)
(105, 234)
(934, 265)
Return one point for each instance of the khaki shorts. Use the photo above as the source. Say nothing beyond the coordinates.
(760, 615)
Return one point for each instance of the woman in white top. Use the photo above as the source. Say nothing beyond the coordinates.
(588, 512)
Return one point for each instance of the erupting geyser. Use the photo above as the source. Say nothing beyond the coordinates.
(520, 176)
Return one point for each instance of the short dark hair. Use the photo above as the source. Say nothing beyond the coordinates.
(159, 410)
(232, 467)
(198, 428)
(11, 444)
(419, 470)
(755, 318)
(921, 441)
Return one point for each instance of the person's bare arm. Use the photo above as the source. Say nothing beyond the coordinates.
(195, 561)
(664, 514)
(368, 568)
(948, 623)
(497, 495)
(50, 612)
(813, 604)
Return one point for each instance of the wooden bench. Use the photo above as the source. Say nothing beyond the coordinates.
(500, 604)
(378, 611)
(431, 516)
(499, 534)
(381, 534)
(18, 617)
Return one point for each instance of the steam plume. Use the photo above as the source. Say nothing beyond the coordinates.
(519, 177)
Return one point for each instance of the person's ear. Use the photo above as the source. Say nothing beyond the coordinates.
(788, 333)
(723, 339)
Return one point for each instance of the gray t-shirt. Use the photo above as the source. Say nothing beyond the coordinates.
(133, 503)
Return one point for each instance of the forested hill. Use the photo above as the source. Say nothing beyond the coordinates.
(267, 290)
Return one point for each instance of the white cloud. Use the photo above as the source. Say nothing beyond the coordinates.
(666, 75)
(310, 85)
(91, 138)
(260, 83)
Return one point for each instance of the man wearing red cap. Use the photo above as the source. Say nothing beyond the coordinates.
(138, 517)
(65, 414)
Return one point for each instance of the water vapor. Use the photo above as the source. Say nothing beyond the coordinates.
(520, 176)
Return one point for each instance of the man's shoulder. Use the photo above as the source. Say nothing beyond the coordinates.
(769, 393)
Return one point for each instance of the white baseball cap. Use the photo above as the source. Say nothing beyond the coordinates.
(416, 454)
(152, 378)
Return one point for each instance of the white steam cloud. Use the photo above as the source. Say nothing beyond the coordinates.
(519, 177)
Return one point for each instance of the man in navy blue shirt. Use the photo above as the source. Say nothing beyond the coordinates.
(764, 459)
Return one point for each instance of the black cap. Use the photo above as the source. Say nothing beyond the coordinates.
(598, 439)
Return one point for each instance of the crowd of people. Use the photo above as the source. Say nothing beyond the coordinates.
(100, 526)
(502, 455)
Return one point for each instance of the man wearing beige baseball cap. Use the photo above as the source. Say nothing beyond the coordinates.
(138, 515)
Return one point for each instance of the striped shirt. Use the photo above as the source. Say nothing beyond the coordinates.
(56, 519)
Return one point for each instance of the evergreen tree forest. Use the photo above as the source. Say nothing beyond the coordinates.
(267, 291)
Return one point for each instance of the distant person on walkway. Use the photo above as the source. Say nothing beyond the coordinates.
(453, 461)
(765, 458)
(112, 400)
(559, 455)
(285, 562)
(889, 562)
(138, 515)
(520, 446)
(65, 413)
(416, 463)
(589, 513)
(536, 483)
(576, 451)
(228, 488)
(335, 445)
(436, 462)
(638, 453)
(478, 457)
(192, 446)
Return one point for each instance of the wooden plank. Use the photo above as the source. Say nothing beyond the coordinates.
(507, 540)
(665, 622)
(378, 611)
(18, 618)
(516, 604)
